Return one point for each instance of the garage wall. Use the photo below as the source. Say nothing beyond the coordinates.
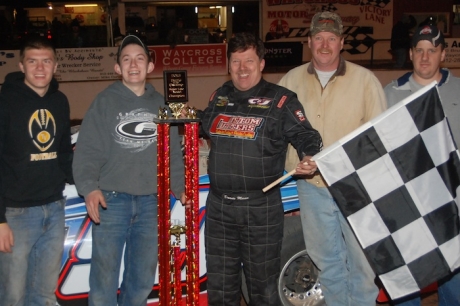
(81, 94)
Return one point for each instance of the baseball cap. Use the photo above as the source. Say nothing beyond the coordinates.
(129, 40)
(430, 33)
(326, 22)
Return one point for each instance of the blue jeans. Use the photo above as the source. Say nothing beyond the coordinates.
(345, 274)
(448, 294)
(129, 223)
(28, 275)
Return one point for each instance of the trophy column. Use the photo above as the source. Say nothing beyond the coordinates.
(170, 285)
(192, 218)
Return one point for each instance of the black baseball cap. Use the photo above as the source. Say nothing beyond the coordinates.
(430, 33)
(129, 40)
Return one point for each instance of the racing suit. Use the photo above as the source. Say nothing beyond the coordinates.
(249, 133)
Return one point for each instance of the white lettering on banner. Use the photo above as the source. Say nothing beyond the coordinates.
(197, 52)
(172, 57)
(176, 61)
(278, 51)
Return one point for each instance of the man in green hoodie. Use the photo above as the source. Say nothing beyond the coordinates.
(35, 163)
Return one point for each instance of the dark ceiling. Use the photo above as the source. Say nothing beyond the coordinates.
(37, 3)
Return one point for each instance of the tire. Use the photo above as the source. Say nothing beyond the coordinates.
(293, 241)
(298, 284)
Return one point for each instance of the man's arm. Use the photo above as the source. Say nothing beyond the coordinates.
(376, 102)
(6, 234)
(90, 154)
(298, 130)
(65, 148)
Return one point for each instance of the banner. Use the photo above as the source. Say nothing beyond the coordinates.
(452, 53)
(365, 23)
(283, 54)
(91, 64)
(198, 60)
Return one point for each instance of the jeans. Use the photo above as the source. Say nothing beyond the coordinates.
(448, 294)
(129, 223)
(28, 275)
(345, 274)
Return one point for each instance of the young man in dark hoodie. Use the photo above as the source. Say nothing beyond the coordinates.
(115, 169)
(35, 163)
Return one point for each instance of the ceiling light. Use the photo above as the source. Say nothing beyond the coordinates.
(79, 5)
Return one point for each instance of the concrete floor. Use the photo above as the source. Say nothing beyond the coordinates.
(430, 299)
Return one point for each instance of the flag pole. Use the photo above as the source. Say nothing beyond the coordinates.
(268, 187)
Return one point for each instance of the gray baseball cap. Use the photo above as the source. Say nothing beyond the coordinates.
(129, 40)
(326, 22)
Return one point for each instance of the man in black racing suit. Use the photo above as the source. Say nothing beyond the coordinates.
(250, 123)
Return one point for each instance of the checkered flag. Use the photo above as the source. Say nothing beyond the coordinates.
(378, 3)
(328, 8)
(358, 40)
(396, 180)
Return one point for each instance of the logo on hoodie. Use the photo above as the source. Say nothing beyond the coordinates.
(136, 130)
(42, 130)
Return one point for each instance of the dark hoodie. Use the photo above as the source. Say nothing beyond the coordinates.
(35, 149)
(117, 144)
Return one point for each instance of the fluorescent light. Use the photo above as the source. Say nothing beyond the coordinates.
(79, 5)
(233, 9)
(196, 9)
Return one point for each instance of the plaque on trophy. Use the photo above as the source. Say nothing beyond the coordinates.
(176, 87)
(176, 94)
